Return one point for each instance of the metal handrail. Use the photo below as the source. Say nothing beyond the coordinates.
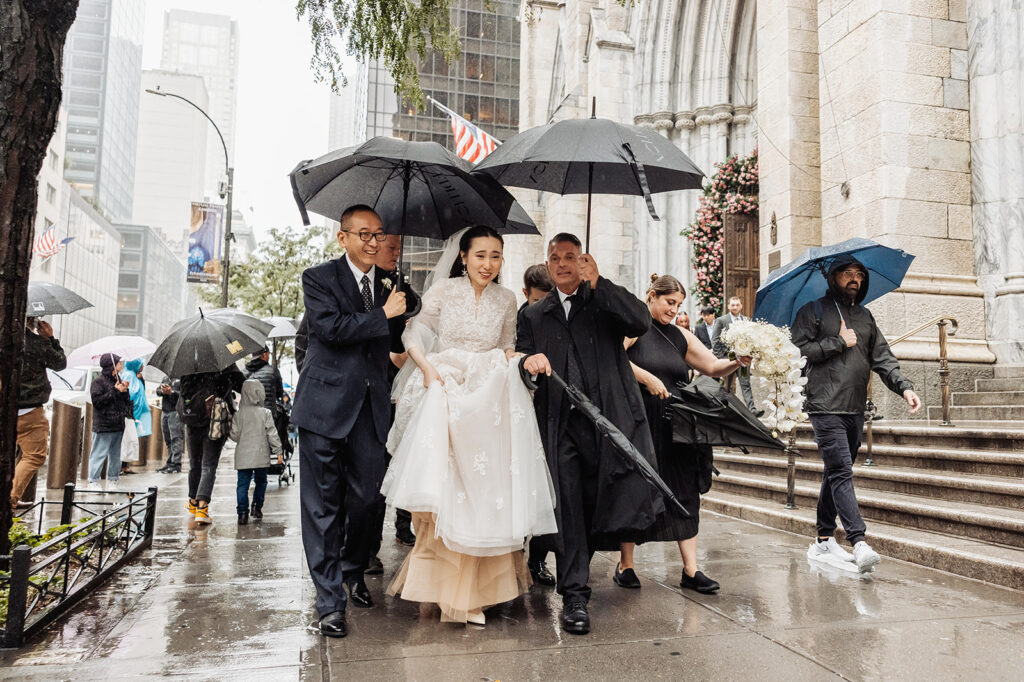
(938, 320)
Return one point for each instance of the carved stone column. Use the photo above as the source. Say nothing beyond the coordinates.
(720, 118)
(685, 206)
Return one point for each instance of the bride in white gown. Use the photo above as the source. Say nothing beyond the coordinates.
(468, 460)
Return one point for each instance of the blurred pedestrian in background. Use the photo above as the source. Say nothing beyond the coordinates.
(111, 406)
(253, 429)
(683, 321)
(707, 321)
(174, 436)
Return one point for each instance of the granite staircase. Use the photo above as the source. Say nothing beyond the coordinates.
(949, 497)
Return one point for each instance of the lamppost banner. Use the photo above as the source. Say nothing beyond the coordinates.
(205, 238)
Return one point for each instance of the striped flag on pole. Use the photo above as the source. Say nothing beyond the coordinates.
(46, 244)
(471, 143)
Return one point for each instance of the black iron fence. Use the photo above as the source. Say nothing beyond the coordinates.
(44, 581)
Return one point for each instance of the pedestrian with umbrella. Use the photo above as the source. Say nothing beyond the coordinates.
(662, 360)
(132, 375)
(843, 344)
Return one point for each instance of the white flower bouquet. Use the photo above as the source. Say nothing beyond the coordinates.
(777, 362)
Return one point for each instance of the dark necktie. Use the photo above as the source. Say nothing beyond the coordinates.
(572, 302)
(575, 374)
(367, 297)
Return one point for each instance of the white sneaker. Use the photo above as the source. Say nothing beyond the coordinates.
(831, 547)
(865, 557)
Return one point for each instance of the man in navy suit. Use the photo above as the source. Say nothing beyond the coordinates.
(342, 411)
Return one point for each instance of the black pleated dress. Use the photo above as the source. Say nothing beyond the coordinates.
(662, 352)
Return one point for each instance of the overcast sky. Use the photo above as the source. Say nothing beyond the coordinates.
(282, 112)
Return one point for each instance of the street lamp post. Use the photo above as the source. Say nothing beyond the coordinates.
(226, 260)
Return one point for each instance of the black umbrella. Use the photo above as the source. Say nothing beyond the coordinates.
(205, 343)
(704, 413)
(244, 321)
(47, 298)
(622, 445)
(592, 156)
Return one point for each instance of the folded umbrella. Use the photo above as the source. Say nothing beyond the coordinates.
(789, 288)
(622, 445)
(128, 347)
(206, 343)
(47, 298)
(704, 413)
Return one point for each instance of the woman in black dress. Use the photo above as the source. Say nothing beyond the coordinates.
(661, 358)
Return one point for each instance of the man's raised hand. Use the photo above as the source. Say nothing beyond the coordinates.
(588, 269)
(395, 305)
(848, 335)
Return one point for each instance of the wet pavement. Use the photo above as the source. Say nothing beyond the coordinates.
(234, 603)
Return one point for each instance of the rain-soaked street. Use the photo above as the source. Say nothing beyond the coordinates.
(233, 602)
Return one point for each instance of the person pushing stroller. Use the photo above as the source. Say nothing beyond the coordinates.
(257, 441)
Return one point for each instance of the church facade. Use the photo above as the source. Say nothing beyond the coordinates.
(895, 120)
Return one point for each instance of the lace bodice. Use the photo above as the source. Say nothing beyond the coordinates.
(452, 317)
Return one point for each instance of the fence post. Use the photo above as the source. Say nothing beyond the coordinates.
(150, 526)
(67, 503)
(17, 597)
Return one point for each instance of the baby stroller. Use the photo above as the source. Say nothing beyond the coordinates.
(283, 471)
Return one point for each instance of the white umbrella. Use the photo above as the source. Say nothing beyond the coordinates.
(284, 328)
(128, 347)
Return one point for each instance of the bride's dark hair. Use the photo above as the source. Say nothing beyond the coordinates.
(467, 239)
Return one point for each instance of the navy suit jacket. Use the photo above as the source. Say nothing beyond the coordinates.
(347, 354)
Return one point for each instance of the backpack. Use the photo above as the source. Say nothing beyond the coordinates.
(196, 395)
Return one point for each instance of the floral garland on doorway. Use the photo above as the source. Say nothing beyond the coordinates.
(733, 189)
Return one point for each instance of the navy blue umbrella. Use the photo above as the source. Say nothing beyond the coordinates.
(787, 289)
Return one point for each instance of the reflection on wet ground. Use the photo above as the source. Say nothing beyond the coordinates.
(234, 602)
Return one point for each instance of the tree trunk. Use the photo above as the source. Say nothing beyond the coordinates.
(32, 34)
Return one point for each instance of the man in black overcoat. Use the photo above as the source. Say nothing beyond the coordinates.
(342, 410)
(577, 331)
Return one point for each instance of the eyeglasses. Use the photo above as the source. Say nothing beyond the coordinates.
(854, 273)
(367, 236)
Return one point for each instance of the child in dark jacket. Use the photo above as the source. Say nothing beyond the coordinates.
(257, 441)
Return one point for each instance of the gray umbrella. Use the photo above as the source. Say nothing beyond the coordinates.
(206, 343)
(47, 298)
(592, 156)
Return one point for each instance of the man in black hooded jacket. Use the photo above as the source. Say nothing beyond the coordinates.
(843, 345)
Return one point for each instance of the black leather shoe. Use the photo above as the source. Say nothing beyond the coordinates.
(699, 582)
(575, 619)
(358, 594)
(540, 573)
(243, 519)
(626, 578)
(375, 567)
(333, 625)
(256, 512)
(404, 536)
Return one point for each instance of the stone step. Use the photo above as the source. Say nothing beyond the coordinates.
(955, 486)
(1008, 413)
(1015, 398)
(1008, 371)
(995, 564)
(1005, 384)
(961, 519)
(966, 435)
(985, 462)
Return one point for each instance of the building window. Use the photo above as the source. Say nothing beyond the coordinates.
(51, 194)
(126, 322)
(128, 280)
(131, 240)
(128, 302)
(54, 159)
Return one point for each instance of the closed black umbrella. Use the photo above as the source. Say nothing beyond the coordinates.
(47, 298)
(620, 443)
(205, 343)
(592, 156)
(704, 413)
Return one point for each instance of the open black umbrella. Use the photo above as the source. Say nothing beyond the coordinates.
(244, 321)
(205, 343)
(620, 443)
(592, 156)
(704, 413)
(47, 298)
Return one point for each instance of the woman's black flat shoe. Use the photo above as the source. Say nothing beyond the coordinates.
(626, 578)
(699, 582)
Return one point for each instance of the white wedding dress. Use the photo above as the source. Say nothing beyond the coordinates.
(468, 459)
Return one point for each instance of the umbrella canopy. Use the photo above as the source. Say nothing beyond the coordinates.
(592, 156)
(47, 298)
(620, 443)
(284, 327)
(240, 319)
(704, 413)
(787, 289)
(128, 347)
(206, 343)
(417, 188)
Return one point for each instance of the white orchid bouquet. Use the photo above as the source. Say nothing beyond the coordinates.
(777, 363)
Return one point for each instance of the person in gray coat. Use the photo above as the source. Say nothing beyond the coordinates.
(252, 428)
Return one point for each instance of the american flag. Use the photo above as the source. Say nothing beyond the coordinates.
(46, 244)
(471, 143)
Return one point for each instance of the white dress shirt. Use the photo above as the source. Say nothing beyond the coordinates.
(566, 303)
(358, 274)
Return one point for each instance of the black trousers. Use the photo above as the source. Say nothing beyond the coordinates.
(578, 458)
(403, 519)
(339, 482)
(203, 457)
(838, 437)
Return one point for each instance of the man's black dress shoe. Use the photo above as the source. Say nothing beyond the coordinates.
(333, 625)
(626, 578)
(375, 567)
(699, 582)
(540, 573)
(404, 536)
(358, 594)
(575, 619)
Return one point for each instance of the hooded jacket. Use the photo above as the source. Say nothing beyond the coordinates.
(837, 376)
(137, 392)
(269, 376)
(252, 428)
(39, 354)
(110, 407)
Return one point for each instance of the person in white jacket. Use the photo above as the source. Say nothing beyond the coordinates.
(253, 429)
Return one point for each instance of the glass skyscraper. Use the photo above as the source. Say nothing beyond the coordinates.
(102, 75)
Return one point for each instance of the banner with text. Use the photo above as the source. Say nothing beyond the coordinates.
(205, 237)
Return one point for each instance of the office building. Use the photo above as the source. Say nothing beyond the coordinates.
(348, 114)
(50, 182)
(151, 289)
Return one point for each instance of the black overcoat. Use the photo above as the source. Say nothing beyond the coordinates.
(598, 324)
